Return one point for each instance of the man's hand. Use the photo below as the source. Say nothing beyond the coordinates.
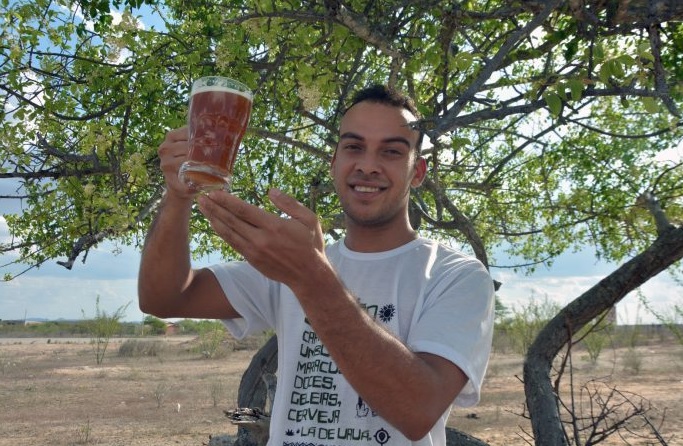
(288, 250)
(172, 153)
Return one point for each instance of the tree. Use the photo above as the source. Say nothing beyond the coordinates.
(545, 117)
(156, 325)
(544, 124)
(541, 395)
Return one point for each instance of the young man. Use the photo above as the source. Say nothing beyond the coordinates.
(378, 334)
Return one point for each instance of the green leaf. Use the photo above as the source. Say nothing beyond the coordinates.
(626, 60)
(576, 89)
(599, 52)
(650, 104)
(458, 142)
(605, 73)
(571, 48)
(615, 67)
(463, 61)
(645, 52)
(554, 103)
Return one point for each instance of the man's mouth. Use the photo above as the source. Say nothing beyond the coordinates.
(367, 189)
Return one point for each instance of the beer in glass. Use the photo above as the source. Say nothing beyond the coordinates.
(219, 113)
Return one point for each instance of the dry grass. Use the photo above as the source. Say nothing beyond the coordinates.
(53, 393)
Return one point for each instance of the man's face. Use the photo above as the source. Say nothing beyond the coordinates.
(376, 164)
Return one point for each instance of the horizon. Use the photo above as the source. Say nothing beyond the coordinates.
(53, 292)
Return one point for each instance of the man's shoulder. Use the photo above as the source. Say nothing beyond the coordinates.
(449, 256)
(443, 249)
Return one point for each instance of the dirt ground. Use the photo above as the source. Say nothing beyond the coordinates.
(53, 393)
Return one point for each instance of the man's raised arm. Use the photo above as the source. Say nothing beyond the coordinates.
(167, 284)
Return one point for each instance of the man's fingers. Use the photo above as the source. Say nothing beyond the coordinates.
(292, 207)
(240, 209)
(230, 227)
(179, 134)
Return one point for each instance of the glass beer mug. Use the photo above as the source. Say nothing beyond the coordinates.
(218, 117)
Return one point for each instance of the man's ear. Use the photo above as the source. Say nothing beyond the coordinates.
(420, 172)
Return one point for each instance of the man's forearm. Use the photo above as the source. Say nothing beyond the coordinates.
(165, 268)
(385, 372)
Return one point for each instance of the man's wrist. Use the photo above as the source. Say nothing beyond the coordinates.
(173, 199)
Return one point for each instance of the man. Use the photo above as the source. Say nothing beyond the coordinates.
(378, 334)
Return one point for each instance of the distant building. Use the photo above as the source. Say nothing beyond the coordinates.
(172, 328)
(14, 322)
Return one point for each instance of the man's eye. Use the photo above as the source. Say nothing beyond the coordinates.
(393, 152)
(352, 147)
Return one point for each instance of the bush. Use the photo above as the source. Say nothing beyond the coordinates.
(212, 335)
(594, 343)
(632, 361)
(525, 324)
(102, 327)
(134, 348)
(595, 335)
(154, 326)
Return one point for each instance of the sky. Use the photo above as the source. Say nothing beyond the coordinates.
(110, 273)
(53, 292)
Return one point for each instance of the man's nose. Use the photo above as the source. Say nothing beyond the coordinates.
(368, 163)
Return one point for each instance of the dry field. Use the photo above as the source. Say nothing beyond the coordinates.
(53, 393)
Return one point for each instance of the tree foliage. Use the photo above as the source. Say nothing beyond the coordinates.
(545, 126)
(154, 325)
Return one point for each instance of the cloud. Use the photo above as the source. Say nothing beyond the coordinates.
(4, 230)
(51, 291)
(661, 293)
(66, 297)
(671, 155)
(54, 292)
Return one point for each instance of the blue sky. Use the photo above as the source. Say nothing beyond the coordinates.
(54, 292)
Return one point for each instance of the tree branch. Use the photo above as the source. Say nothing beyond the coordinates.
(649, 202)
(540, 397)
(87, 241)
(446, 124)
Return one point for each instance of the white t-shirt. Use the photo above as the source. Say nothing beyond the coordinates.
(435, 299)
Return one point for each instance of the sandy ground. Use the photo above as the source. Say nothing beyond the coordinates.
(52, 392)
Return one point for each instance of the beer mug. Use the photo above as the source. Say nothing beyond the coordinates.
(218, 117)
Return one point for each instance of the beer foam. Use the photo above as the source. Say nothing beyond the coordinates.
(208, 88)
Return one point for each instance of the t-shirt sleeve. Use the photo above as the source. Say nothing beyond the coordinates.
(456, 323)
(251, 294)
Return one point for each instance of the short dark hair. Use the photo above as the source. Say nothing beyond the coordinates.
(383, 94)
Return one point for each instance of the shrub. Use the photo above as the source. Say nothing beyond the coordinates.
(135, 348)
(632, 361)
(211, 337)
(102, 327)
(525, 324)
(154, 325)
(594, 336)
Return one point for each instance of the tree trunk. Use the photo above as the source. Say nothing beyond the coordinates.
(253, 391)
(541, 399)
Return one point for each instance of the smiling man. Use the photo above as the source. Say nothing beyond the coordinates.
(380, 333)
(374, 167)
